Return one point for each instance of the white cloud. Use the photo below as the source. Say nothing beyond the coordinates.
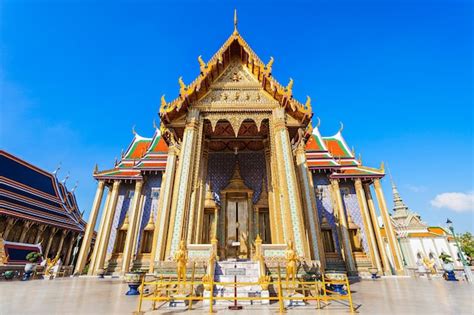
(456, 201)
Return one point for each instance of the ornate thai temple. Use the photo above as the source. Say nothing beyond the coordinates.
(37, 209)
(417, 239)
(235, 160)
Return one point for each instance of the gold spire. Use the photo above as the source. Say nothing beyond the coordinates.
(235, 21)
(269, 65)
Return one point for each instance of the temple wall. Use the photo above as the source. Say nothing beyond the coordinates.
(324, 203)
(123, 205)
(151, 193)
(221, 168)
(351, 206)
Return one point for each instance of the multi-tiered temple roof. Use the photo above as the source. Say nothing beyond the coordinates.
(323, 153)
(30, 193)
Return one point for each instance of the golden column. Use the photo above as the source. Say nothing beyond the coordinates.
(276, 229)
(183, 184)
(351, 268)
(69, 249)
(61, 242)
(102, 250)
(190, 223)
(50, 240)
(374, 253)
(166, 193)
(392, 241)
(309, 199)
(26, 228)
(99, 234)
(378, 235)
(127, 250)
(41, 229)
(86, 242)
(293, 213)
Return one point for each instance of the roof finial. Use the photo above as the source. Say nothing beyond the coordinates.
(341, 127)
(154, 124)
(133, 130)
(308, 102)
(202, 64)
(353, 151)
(360, 158)
(382, 167)
(182, 86)
(75, 186)
(57, 169)
(319, 122)
(65, 179)
(269, 65)
(235, 21)
(289, 87)
(96, 168)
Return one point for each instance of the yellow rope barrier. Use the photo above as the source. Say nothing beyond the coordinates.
(164, 291)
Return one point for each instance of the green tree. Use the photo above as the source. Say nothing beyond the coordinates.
(467, 243)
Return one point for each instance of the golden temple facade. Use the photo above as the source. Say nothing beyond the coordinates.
(236, 160)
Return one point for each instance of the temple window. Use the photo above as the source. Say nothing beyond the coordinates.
(147, 242)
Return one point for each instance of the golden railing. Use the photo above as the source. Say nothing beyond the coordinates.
(170, 290)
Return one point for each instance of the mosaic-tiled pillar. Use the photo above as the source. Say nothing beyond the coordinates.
(166, 193)
(273, 196)
(392, 241)
(86, 242)
(378, 235)
(182, 187)
(132, 229)
(102, 250)
(309, 199)
(292, 214)
(201, 194)
(196, 187)
(374, 253)
(346, 244)
(100, 233)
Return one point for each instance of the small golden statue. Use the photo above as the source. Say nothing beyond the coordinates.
(181, 257)
(291, 263)
(429, 264)
(50, 263)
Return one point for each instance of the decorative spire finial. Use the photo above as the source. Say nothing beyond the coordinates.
(308, 103)
(57, 169)
(235, 20)
(182, 86)
(75, 186)
(353, 151)
(360, 158)
(382, 167)
(319, 122)
(133, 131)
(341, 128)
(269, 65)
(202, 64)
(96, 168)
(154, 124)
(289, 87)
(65, 179)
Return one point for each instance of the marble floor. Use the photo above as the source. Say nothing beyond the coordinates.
(106, 296)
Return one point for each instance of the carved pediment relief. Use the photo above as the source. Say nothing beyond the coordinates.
(236, 86)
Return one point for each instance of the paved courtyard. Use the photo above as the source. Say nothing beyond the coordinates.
(106, 296)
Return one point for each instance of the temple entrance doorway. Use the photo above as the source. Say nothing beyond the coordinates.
(237, 226)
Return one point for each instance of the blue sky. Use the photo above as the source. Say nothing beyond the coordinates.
(77, 75)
